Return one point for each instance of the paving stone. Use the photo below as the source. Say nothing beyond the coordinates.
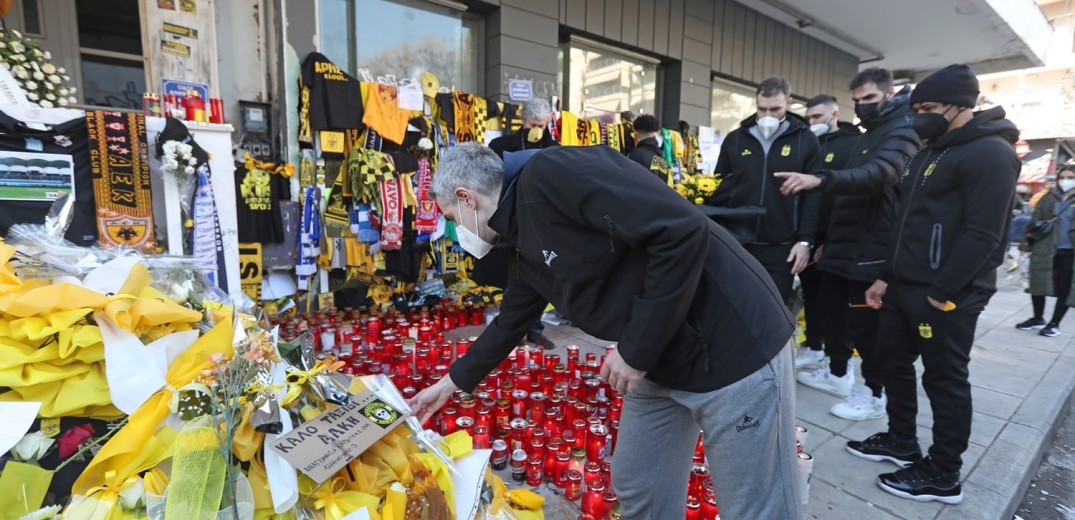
(1007, 465)
(828, 502)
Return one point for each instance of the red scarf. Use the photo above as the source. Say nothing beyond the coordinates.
(391, 214)
(426, 217)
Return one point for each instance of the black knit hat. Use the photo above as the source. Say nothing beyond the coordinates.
(952, 85)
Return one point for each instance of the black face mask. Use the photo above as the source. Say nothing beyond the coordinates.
(867, 111)
(931, 125)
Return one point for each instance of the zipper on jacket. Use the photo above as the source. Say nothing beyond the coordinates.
(611, 226)
(764, 182)
(697, 332)
(935, 247)
(907, 210)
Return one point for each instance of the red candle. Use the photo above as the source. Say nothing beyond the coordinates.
(609, 499)
(709, 504)
(552, 424)
(484, 418)
(593, 499)
(573, 489)
(537, 406)
(502, 415)
(519, 404)
(448, 421)
(563, 458)
(552, 448)
(481, 437)
(373, 330)
(518, 434)
(535, 468)
(592, 474)
(467, 406)
(464, 423)
(694, 509)
(595, 443)
(699, 474)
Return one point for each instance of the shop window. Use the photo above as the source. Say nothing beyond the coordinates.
(389, 40)
(731, 104)
(597, 79)
(110, 47)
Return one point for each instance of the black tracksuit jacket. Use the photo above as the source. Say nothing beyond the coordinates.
(748, 180)
(954, 208)
(627, 259)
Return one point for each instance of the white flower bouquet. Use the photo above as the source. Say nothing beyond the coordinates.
(30, 65)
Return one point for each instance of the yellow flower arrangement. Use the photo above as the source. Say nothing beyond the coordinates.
(697, 188)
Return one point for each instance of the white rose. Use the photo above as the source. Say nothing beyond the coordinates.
(32, 96)
(50, 97)
(192, 161)
(131, 498)
(62, 102)
(49, 68)
(72, 99)
(70, 90)
(54, 79)
(38, 75)
(48, 55)
(18, 57)
(3, 45)
(47, 104)
(50, 86)
(425, 144)
(30, 85)
(32, 447)
(61, 70)
(189, 170)
(21, 73)
(17, 34)
(64, 92)
(18, 46)
(38, 53)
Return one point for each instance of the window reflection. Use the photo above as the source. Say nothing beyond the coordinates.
(600, 81)
(731, 105)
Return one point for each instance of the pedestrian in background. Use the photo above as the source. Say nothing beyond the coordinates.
(1051, 254)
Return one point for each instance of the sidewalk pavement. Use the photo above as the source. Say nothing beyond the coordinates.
(1021, 385)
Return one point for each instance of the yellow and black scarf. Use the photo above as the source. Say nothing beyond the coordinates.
(121, 179)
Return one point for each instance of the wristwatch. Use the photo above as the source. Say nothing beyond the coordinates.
(807, 244)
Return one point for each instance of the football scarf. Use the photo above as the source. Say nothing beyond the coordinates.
(121, 179)
(309, 238)
(463, 105)
(391, 214)
(426, 214)
(207, 246)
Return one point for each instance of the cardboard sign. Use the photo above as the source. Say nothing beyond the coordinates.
(321, 447)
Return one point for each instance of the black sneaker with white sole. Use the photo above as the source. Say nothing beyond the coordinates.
(884, 446)
(1031, 324)
(923, 482)
(1050, 331)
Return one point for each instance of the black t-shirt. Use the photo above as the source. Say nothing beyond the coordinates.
(34, 170)
(257, 205)
(335, 97)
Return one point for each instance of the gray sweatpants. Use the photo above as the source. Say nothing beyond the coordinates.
(749, 440)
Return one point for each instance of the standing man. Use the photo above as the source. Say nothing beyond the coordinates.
(948, 237)
(858, 241)
(772, 140)
(836, 138)
(534, 134)
(647, 150)
(701, 328)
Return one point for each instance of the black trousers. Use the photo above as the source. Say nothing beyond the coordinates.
(1062, 271)
(813, 307)
(910, 327)
(851, 328)
(774, 258)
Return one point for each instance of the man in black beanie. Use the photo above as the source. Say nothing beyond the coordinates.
(951, 216)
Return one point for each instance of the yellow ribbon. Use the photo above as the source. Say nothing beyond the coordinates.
(301, 377)
(336, 501)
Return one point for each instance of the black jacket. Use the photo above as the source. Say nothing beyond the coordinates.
(648, 154)
(516, 142)
(835, 150)
(954, 208)
(628, 260)
(857, 238)
(748, 181)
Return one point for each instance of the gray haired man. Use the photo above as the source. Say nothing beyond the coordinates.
(702, 331)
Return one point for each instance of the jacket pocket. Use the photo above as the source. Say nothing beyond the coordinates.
(935, 247)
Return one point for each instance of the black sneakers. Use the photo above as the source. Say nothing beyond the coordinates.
(886, 447)
(1031, 324)
(923, 482)
(1050, 331)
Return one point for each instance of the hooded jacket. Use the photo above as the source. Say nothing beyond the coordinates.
(747, 173)
(648, 153)
(857, 238)
(627, 259)
(954, 208)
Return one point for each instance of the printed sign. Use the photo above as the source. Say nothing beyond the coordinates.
(175, 49)
(180, 88)
(520, 89)
(321, 447)
(179, 30)
(250, 271)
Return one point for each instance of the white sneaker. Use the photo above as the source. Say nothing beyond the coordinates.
(861, 405)
(823, 380)
(808, 359)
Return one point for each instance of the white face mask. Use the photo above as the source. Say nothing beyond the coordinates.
(1066, 184)
(768, 125)
(819, 129)
(469, 240)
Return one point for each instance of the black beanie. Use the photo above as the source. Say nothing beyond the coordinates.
(952, 85)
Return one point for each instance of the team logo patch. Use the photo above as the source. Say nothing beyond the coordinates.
(380, 413)
(785, 151)
(925, 330)
(127, 230)
(830, 157)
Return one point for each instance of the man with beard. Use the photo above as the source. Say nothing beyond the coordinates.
(857, 241)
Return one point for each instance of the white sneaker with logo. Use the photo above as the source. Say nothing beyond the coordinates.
(861, 405)
(822, 379)
(808, 359)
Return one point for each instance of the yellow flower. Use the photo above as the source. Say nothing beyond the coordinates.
(707, 184)
(699, 200)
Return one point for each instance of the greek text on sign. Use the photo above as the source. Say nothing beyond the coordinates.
(321, 447)
(520, 89)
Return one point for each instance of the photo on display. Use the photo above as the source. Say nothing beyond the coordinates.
(35, 176)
